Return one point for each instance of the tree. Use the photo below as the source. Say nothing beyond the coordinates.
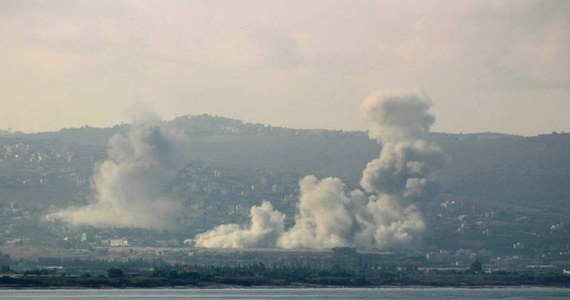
(114, 273)
(476, 267)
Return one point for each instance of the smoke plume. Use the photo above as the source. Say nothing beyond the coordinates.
(383, 215)
(128, 186)
(407, 161)
(326, 215)
(265, 229)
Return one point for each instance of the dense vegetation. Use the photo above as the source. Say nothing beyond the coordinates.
(258, 275)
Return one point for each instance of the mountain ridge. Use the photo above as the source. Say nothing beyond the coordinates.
(490, 165)
(492, 186)
(208, 124)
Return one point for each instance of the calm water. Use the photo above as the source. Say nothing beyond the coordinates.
(384, 293)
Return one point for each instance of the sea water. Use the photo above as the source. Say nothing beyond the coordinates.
(290, 293)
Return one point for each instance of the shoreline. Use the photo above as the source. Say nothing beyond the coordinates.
(311, 287)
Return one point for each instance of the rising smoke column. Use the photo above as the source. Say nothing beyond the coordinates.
(407, 164)
(128, 186)
(407, 161)
(326, 217)
(384, 214)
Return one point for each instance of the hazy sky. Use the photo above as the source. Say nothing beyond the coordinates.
(500, 66)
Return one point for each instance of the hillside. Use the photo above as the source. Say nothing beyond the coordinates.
(496, 190)
(506, 168)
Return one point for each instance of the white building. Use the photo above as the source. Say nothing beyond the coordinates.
(118, 243)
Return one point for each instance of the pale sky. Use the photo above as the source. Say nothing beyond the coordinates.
(501, 66)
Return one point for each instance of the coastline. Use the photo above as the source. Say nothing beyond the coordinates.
(218, 286)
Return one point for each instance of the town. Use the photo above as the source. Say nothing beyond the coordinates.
(41, 175)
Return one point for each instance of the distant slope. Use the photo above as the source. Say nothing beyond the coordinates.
(532, 171)
(84, 136)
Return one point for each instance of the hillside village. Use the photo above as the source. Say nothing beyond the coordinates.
(236, 165)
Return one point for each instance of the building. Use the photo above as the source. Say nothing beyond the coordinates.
(118, 243)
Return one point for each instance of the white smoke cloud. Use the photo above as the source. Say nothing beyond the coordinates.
(329, 215)
(397, 116)
(325, 215)
(407, 161)
(128, 185)
(387, 223)
(267, 225)
(403, 167)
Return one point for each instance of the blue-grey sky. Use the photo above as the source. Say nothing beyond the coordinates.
(488, 65)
